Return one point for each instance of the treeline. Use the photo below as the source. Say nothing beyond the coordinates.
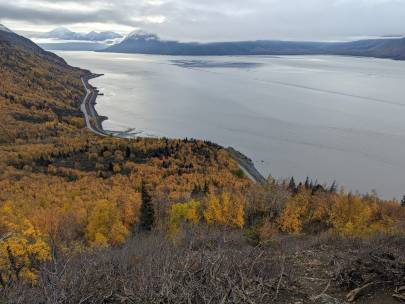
(264, 211)
(72, 220)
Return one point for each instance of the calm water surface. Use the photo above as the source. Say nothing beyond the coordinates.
(326, 117)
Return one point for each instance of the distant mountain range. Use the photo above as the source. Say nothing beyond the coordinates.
(145, 43)
(63, 33)
(74, 46)
(63, 39)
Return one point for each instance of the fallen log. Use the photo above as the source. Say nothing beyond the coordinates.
(357, 292)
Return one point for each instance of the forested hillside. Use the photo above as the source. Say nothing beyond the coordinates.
(55, 174)
(88, 219)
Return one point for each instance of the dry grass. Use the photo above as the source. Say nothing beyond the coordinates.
(208, 267)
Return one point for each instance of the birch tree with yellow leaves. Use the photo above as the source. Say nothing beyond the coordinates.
(225, 210)
(22, 247)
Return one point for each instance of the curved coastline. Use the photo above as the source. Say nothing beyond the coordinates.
(94, 124)
(93, 120)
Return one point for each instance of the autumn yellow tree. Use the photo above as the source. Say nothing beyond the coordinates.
(350, 216)
(213, 211)
(105, 226)
(294, 214)
(22, 246)
(225, 210)
(188, 212)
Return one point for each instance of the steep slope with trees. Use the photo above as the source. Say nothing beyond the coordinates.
(60, 182)
(88, 219)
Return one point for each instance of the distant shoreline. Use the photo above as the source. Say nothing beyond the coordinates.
(94, 123)
(146, 43)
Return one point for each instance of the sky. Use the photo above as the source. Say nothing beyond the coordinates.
(213, 20)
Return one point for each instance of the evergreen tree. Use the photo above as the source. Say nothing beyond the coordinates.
(147, 216)
(333, 187)
(206, 188)
(291, 186)
(196, 191)
(127, 152)
(307, 183)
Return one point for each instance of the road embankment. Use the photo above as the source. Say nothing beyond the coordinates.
(246, 165)
(93, 120)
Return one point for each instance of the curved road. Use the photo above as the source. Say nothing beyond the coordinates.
(87, 106)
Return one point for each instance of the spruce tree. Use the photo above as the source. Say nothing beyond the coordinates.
(291, 186)
(333, 188)
(147, 216)
(127, 152)
(206, 188)
(307, 183)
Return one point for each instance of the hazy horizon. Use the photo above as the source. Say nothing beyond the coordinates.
(213, 21)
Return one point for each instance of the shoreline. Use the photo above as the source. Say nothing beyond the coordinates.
(246, 165)
(94, 124)
(93, 120)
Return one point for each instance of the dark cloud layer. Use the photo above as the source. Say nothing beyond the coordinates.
(219, 19)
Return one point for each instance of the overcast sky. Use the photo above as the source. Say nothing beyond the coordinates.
(213, 20)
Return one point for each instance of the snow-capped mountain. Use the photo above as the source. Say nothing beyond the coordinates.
(141, 35)
(63, 33)
(102, 36)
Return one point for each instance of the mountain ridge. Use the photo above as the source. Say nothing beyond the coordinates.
(5, 29)
(146, 43)
(66, 34)
(9, 37)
